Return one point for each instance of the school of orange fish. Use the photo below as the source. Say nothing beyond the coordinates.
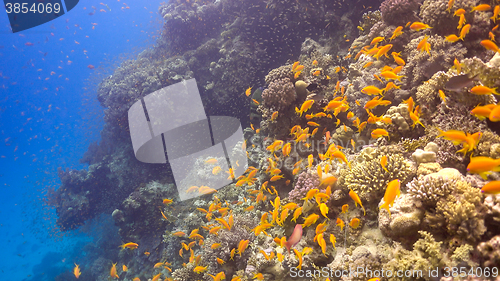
(219, 214)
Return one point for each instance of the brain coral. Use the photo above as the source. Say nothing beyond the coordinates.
(399, 12)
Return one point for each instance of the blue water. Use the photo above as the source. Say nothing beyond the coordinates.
(49, 115)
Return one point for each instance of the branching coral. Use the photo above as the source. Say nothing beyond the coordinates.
(430, 189)
(460, 214)
(369, 179)
(426, 254)
(487, 73)
(428, 93)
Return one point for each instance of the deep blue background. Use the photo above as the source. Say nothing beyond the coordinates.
(49, 115)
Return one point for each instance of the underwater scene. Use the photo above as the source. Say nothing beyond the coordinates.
(252, 140)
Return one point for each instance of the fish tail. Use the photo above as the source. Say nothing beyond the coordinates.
(287, 245)
(441, 133)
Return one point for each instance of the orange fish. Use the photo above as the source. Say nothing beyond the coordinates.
(483, 90)
(354, 223)
(372, 90)
(112, 271)
(489, 45)
(483, 112)
(417, 26)
(464, 31)
(129, 245)
(461, 21)
(383, 162)
(423, 45)
(383, 51)
(398, 31)
(496, 12)
(392, 191)
(493, 187)
(481, 8)
(459, 12)
(356, 199)
(76, 271)
(340, 223)
(389, 75)
(377, 133)
(450, 5)
(452, 38)
(483, 166)
(305, 107)
(398, 59)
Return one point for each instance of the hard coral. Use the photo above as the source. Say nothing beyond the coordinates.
(229, 240)
(460, 214)
(399, 12)
(426, 254)
(443, 22)
(430, 189)
(369, 179)
(305, 182)
(490, 252)
(420, 66)
(404, 221)
(279, 94)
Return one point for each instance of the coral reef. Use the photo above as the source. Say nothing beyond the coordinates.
(421, 66)
(435, 13)
(343, 137)
(369, 179)
(305, 182)
(490, 252)
(398, 12)
(431, 188)
(279, 94)
(426, 254)
(404, 220)
(459, 214)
